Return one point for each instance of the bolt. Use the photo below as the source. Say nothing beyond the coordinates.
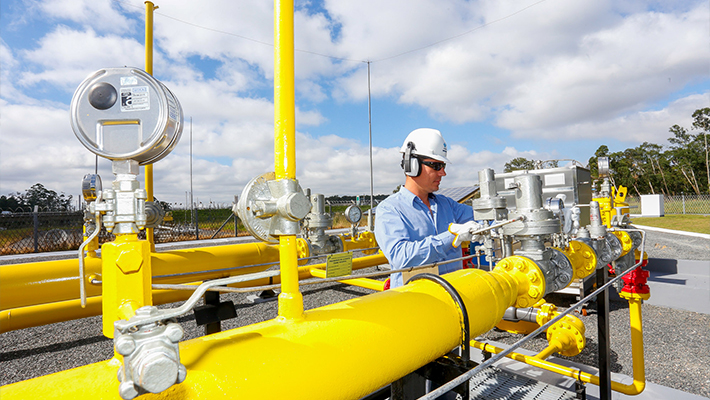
(157, 372)
(174, 332)
(533, 292)
(125, 345)
(127, 390)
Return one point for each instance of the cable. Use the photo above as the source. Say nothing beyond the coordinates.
(343, 58)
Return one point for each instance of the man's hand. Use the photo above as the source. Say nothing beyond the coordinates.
(464, 232)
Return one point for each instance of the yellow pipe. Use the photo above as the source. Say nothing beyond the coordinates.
(217, 257)
(290, 298)
(360, 282)
(126, 279)
(341, 341)
(149, 8)
(29, 284)
(639, 373)
(43, 314)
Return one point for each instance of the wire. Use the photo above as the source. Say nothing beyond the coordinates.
(342, 58)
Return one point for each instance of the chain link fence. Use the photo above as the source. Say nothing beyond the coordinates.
(678, 204)
(40, 230)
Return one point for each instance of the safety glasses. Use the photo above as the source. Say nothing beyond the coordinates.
(435, 165)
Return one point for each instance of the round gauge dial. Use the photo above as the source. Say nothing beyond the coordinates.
(353, 214)
(90, 186)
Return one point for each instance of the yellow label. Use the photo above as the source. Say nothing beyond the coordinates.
(340, 264)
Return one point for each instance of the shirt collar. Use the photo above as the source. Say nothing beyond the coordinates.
(411, 197)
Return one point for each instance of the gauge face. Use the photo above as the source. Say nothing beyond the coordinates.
(353, 214)
(90, 185)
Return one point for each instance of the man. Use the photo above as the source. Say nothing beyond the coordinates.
(415, 226)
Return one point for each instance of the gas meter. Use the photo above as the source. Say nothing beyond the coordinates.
(126, 114)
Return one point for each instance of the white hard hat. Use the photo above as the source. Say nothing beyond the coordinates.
(427, 143)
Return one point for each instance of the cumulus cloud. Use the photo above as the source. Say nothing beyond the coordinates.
(556, 71)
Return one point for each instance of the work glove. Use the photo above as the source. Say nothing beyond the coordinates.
(464, 232)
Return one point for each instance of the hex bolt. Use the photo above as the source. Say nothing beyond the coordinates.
(127, 390)
(174, 332)
(125, 345)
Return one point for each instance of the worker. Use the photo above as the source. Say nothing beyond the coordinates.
(415, 226)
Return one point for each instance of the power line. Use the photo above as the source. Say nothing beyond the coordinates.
(343, 58)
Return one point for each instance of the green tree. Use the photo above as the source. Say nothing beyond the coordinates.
(701, 120)
(519, 163)
(686, 155)
(45, 199)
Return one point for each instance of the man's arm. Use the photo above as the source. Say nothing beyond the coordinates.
(403, 244)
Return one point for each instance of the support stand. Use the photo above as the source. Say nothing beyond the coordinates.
(603, 335)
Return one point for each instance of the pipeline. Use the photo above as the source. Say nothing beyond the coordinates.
(58, 311)
(639, 375)
(355, 333)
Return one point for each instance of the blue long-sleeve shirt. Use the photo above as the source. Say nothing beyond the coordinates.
(409, 235)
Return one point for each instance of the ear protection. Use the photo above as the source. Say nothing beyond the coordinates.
(410, 163)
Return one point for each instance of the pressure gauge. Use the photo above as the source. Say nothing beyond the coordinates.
(90, 186)
(353, 214)
(126, 114)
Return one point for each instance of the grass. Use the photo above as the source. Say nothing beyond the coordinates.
(678, 222)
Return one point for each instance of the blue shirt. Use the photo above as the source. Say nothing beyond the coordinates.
(409, 235)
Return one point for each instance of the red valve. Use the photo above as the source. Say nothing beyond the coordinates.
(635, 281)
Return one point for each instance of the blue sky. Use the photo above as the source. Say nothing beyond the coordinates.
(500, 78)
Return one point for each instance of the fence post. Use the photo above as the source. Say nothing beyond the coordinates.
(682, 196)
(197, 224)
(234, 209)
(35, 218)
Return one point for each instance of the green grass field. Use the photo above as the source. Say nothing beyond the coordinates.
(678, 222)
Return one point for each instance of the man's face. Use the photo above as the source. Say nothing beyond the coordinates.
(430, 178)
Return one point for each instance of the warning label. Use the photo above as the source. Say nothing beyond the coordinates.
(135, 98)
(340, 264)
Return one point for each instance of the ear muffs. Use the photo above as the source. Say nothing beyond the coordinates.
(411, 164)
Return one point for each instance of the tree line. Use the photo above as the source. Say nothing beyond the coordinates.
(37, 195)
(681, 167)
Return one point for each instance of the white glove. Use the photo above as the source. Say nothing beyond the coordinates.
(464, 232)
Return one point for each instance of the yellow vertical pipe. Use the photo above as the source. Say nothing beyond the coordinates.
(126, 284)
(290, 299)
(149, 8)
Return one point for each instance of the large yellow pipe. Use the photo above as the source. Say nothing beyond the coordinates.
(290, 298)
(48, 313)
(639, 378)
(30, 284)
(342, 342)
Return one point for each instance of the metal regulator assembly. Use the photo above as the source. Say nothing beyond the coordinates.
(130, 118)
(540, 235)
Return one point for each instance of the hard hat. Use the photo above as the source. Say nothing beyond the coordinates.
(427, 143)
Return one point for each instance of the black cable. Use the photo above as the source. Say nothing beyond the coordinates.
(466, 345)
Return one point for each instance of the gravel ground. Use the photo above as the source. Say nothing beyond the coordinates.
(676, 342)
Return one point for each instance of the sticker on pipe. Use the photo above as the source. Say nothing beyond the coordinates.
(339, 264)
(135, 98)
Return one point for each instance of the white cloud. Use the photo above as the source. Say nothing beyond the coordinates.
(558, 71)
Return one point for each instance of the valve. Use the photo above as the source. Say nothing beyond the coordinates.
(270, 208)
(151, 356)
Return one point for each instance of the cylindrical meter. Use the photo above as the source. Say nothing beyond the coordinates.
(126, 114)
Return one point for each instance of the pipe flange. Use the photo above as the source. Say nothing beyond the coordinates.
(583, 258)
(627, 242)
(531, 280)
(569, 335)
